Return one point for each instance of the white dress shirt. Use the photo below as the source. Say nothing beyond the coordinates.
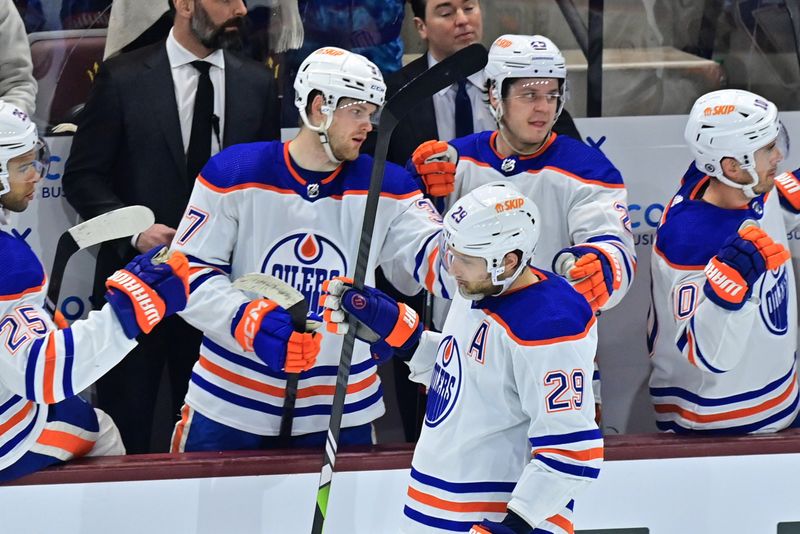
(185, 78)
(444, 103)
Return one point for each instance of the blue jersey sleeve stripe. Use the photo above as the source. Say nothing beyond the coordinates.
(197, 282)
(9, 403)
(672, 426)
(30, 369)
(562, 439)
(265, 407)
(226, 268)
(721, 401)
(604, 237)
(569, 469)
(699, 353)
(462, 487)
(421, 256)
(69, 354)
(13, 442)
(320, 370)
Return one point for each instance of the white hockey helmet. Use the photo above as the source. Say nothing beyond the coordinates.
(732, 123)
(337, 74)
(524, 56)
(489, 222)
(18, 136)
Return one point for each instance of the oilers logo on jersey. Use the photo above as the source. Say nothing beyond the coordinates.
(305, 260)
(774, 307)
(445, 382)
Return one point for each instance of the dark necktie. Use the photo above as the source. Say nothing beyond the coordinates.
(200, 140)
(463, 111)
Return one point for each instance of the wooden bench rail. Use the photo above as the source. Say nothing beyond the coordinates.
(395, 456)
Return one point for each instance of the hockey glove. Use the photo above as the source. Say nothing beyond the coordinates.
(743, 258)
(435, 162)
(593, 272)
(512, 524)
(263, 327)
(143, 293)
(383, 323)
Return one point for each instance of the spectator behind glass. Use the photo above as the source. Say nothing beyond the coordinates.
(370, 28)
(137, 138)
(17, 84)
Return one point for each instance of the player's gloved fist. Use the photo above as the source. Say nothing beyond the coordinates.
(263, 327)
(382, 322)
(593, 273)
(743, 258)
(152, 286)
(435, 162)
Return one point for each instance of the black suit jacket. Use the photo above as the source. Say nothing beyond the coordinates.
(128, 148)
(420, 124)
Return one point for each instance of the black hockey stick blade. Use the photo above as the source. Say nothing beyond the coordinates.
(294, 302)
(462, 64)
(115, 224)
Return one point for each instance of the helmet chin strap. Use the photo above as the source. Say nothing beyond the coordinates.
(747, 189)
(496, 282)
(322, 131)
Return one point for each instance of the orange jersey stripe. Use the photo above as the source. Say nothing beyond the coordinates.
(384, 194)
(733, 414)
(179, 429)
(690, 343)
(34, 289)
(583, 456)
(246, 185)
(430, 278)
(563, 523)
(17, 417)
(71, 443)
(50, 369)
(450, 506)
(275, 391)
(541, 342)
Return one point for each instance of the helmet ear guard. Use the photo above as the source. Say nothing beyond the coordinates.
(489, 222)
(732, 123)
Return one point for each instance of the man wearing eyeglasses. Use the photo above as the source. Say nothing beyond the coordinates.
(587, 235)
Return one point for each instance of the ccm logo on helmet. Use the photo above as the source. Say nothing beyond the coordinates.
(503, 43)
(719, 110)
(509, 205)
(330, 52)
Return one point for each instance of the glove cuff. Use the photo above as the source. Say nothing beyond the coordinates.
(148, 307)
(406, 330)
(725, 286)
(247, 321)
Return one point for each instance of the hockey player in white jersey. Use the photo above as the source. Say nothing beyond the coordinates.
(580, 192)
(42, 368)
(509, 437)
(723, 320)
(294, 210)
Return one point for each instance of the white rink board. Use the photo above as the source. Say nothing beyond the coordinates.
(712, 495)
(650, 153)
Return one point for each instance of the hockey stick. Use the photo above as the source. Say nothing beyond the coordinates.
(463, 63)
(115, 224)
(296, 304)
